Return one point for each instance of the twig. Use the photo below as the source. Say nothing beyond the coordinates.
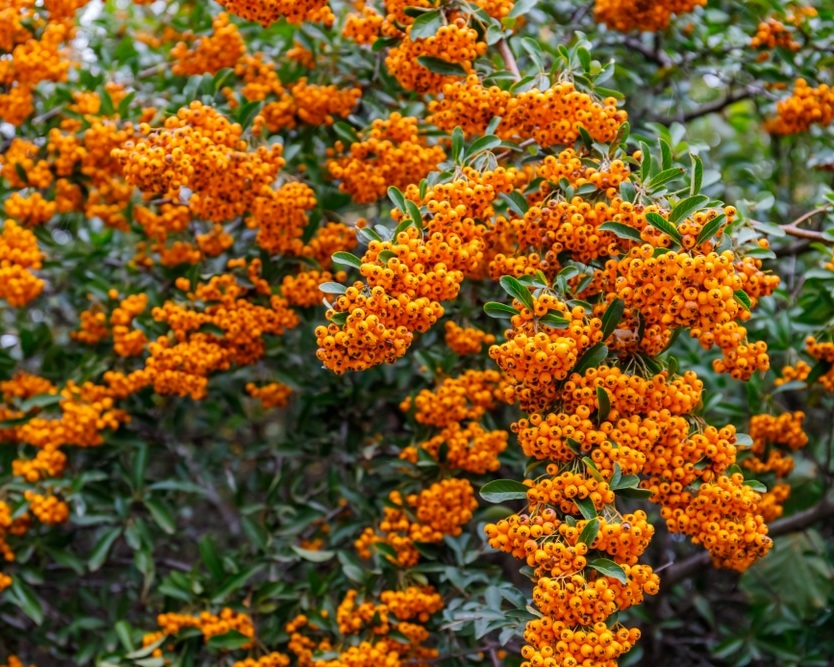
(509, 59)
(792, 228)
(656, 55)
(719, 105)
(791, 524)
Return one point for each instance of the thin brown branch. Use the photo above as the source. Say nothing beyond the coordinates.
(655, 55)
(509, 59)
(719, 105)
(797, 522)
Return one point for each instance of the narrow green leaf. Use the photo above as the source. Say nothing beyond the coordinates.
(697, 175)
(660, 223)
(486, 143)
(499, 311)
(443, 67)
(612, 317)
(235, 582)
(710, 229)
(756, 485)
(586, 508)
(313, 555)
(26, 599)
(515, 289)
(589, 532)
(161, 514)
(426, 25)
(604, 403)
(347, 259)
(499, 490)
(820, 368)
(555, 321)
(457, 146)
(609, 568)
(621, 230)
(742, 297)
(397, 198)
(683, 209)
(101, 548)
(332, 288)
(593, 356)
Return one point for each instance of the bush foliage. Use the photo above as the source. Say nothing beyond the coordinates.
(416, 332)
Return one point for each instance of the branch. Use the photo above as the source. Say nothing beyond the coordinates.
(655, 55)
(797, 522)
(509, 59)
(719, 105)
(792, 228)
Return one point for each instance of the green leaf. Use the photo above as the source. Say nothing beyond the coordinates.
(314, 556)
(458, 140)
(635, 493)
(555, 321)
(25, 598)
(347, 259)
(743, 299)
(235, 582)
(647, 164)
(346, 133)
(625, 482)
(697, 178)
(162, 515)
(820, 368)
(660, 223)
(589, 532)
(756, 485)
(426, 25)
(744, 440)
(397, 197)
(604, 403)
(414, 213)
(499, 490)
(683, 209)
(666, 155)
(663, 177)
(229, 641)
(122, 629)
(40, 401)
(609, 568)
(486, 143)
(621, 230)
(586, 508)
(101, 548)
(515, 289)
(332, 288)
(499, 311)
(443, 67)
(593, 356)
(593, 471)
(208, 552)
(710, 229)
(612, 317)
(517, 202)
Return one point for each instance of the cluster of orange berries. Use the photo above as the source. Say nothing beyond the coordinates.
(201, 150)
(33, 48)
(408, 276)
(393, 154)
(266, 12)
(441, 509)
(537, 356)
(455, 42)
(19, 255)
(210, 625)
(471, 448)
(773, 439)
(822, 351)
(628, 15)
(466, 340)
(806, 107)
(221, 49)
(724, 516)
(272, 395)
(468, 396)
(551, 117)
(772, 34)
